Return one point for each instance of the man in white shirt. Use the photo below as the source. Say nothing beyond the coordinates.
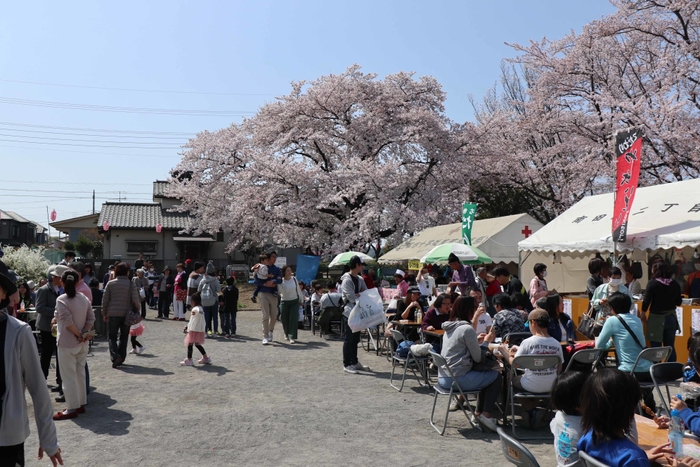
(537, 381)
(426, 284)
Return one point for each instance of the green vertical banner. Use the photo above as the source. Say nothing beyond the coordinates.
(468, 215)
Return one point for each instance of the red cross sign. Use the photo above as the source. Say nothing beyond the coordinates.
(526, 231)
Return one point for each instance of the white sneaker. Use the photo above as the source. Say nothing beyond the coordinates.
(286, 338)
(265, 341)
(132, 351)
(292, 341)
(488, 423)
(351, 369)
(360, 367)
(269, 336)
(140, 350)
(187, 362)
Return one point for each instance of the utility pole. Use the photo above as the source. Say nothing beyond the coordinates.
(93, 201)
(48, 238)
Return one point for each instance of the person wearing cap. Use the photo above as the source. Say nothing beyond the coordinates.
(165, 285)
(120, 296)
(352, 286)
(209, 289)
(20, 361)
(401, 284)
(536, 381)
(462, 276)
(141, 283)
(46, 307)
(406, 308)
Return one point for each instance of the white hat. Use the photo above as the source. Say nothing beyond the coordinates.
(399, 272)
(31, 284)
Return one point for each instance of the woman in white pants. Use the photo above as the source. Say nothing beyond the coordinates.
(74, 317)
(180, 293)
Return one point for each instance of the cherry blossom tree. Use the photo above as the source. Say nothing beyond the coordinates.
(549, 129)
(338, 162)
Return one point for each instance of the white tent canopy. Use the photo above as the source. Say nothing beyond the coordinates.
(663, 217)
(497, 237)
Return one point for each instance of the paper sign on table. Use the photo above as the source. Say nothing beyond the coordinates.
(679, 315)
(567, 307)
(695, 316)
(636, 309)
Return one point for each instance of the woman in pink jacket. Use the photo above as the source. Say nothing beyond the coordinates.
(538, 284)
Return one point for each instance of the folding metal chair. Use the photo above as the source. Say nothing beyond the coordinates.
(515, 452)
(528, 362)
(408, 361)
(589, 461)
(588, 357)
(454, 391)
(653, 355)
(516, 338)
(664, 373)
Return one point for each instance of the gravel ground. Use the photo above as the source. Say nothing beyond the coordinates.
(260, 405)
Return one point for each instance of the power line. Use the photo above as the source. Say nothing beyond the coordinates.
(138, 132)
(64, 133)
(84, 145)
(136, 110)
(92, 152)
(134, 90)
(73, 183)
(74, 192)
(51, 138)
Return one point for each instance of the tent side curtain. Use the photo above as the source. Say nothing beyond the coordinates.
(663, 217)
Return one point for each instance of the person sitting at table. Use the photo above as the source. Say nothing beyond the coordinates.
(437, 314)
(481, 317)
(406, 308)
(331, 305)
(608, 404)
(507, 320)
(690, 373)
(566, 424)
(536, 381)
(561, 327)
(520, 302)
(603, 292)
(461, 348)
(626, 332)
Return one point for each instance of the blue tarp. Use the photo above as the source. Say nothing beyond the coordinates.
(307, 268)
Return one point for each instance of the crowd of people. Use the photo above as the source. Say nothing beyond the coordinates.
(478, 312)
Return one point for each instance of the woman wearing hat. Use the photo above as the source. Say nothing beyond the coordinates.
(21, 363)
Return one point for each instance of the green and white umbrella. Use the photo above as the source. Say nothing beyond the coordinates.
(466, 254)
(344, 258)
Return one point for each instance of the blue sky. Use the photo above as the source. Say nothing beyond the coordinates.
(228, 56)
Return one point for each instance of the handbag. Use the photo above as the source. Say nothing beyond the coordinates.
(488, 360)
(588, 326)
(133, 316)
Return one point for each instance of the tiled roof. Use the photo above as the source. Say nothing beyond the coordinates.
(13, 216)
(159, 189)
(142, 216)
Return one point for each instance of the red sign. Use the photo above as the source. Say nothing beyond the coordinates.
(628, 149)
(526, 231)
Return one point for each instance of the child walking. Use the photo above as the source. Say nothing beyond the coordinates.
(135, 331)
(195, 332)
(230, 308)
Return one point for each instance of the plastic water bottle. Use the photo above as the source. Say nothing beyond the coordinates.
(675, 432)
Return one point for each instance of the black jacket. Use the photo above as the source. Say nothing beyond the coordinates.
(230, 299)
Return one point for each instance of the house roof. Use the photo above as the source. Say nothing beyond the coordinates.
(142, 216)
(39, 228)
(159, 189)
(73, 220)
(14, 216)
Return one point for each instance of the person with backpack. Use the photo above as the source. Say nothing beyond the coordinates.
(209, 289)
(352, 286)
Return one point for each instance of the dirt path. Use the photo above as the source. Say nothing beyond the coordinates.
(256, 405)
